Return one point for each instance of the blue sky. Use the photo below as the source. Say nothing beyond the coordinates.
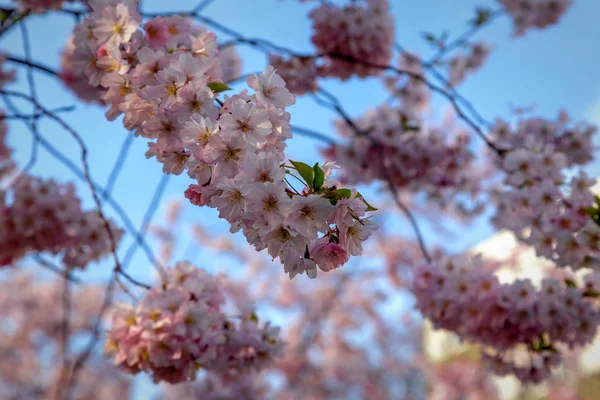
(551, 69)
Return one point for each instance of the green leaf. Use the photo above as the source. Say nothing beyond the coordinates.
(570, 283)
(344, 193)
(591, 293)
(218, 87)
(369, 207)
(254, 317)
(306, 172)
(319, 177)
(430, 37)
(483, 16)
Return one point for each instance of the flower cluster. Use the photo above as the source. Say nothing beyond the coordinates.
(6, 76)
(462, 65)
(7, 164)
(231, 64)
(413, 93)
(180, 326)
(459, 295)
(527, 14)
(416, 158)
(299, 73)
(74, 79)
(165, 82)
(40, 6)
(43, 215)
(353, 38)
(535, 208)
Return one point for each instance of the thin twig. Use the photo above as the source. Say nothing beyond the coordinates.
(464, 38)
(32, 64)
(85, 164)
(51, 267)
(312, 134)
(335, 104)
(128, 224)
(152, 208)
(114, 173)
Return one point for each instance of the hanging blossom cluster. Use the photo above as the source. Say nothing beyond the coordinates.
(527, 14)
(362, 31)
(412, 93)
(7, 164)
(463, 65)
(231, 64)
(6, 75)
(165, 81)
(299, 73)
(33, 329)
(180, 327)
(554, 215)
(38, 215)
(74, 79)
(342, 305)
(399, 147)
(523, 327)
(349, 40)
(40, 6)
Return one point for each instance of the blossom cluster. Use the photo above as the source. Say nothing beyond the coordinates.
(74, 79)
(356, 39)
(462, 65)
(413, 94)
(459, 295)
(231, 64)
(299, 73)
(7, 164)
(541, 206)
(165, 81)
(401, 149)
(180, 327)
(40, 6)
(362, 32)
(527, 14)
(38, 215)
(6, 75)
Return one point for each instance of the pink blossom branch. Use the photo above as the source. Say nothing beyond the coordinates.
(106, 194)
(336, 106)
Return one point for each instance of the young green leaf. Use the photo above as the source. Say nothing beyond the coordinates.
(369, 207)
(319, 177)
(218, 87)
(344, 193)
(570, 283)
(306, 172)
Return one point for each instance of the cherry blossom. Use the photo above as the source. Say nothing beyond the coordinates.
(44, 216)
(180, 327)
